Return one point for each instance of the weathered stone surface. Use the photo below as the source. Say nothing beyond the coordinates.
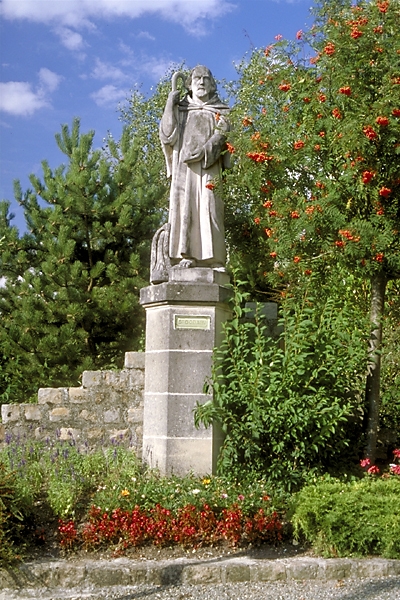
(375, 567)
(116, 379)
(199, 275)
(177, 372)
(181, 334)
(163, 332)
(172, 415)
(88, 416)
(108, 409)
(179, 456)
(135, 415)
(271, 570)
(302, 569)
(112, 416)
(119, 434)
(103, 575)
(334, 568)
(52, 395)
(78, 395)
(134, 360)
(92, 378)
(69, 433)
(237, 572)
(201, 574)
(10, 412)
(393, 567)
(94, 434)
(136, 379)
(183, 292)
(32, 412)
(92, 575)
(39, 433)
(59, 414)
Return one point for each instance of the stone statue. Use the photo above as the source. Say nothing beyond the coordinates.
(192, 133)
(160, 263)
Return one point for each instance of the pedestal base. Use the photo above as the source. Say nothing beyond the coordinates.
(183, 325)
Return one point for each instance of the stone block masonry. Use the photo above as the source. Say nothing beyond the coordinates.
(184, 323)
(106, 410)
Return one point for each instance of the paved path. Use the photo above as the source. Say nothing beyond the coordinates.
(238, 578)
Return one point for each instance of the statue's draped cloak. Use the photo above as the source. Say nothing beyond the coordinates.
(196, 213)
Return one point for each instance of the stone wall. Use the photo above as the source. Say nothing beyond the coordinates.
(107, 409)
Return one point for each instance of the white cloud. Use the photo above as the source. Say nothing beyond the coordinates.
(109, 95)
(128, 69)
(69, 38)
(158, 67)
(18, 98)
(49, 80)
(146, 36)
(77, 13)
(104, 70)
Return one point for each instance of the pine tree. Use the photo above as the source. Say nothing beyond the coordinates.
(316, 145)
(71, 284)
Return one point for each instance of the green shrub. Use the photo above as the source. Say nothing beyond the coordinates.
(58, 480)
(69, 480)
(64, 475)
(291, 407)
(355, 518)
(10, 517)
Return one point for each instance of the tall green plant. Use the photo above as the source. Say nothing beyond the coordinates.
(316, 153)
(69, 300)
(293, 405)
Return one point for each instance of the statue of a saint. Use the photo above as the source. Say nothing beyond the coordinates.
(192, 133)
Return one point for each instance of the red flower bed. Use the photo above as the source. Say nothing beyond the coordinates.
(188, 527)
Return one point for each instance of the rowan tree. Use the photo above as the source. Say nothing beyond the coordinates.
(316, 146)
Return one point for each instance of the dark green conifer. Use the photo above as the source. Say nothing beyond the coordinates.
(70, 284)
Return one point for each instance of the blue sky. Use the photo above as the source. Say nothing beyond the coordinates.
(67, 58)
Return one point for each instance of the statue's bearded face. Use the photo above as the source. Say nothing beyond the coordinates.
(202, 84)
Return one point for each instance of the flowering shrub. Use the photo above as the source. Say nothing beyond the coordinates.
(328, 116)
(189, 526)
(395, 467)
(349, 119)
(68, 533)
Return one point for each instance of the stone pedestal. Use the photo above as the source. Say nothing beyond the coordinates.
(184, 320)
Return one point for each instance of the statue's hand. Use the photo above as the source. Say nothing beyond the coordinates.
(223, 125)
(173, 98)
(194, 157)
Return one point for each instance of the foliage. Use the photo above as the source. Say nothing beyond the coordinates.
(356, 518)
(11, 517)
(293, 405)
(316, 143)
(390, 409)
(97, 495)
(106, 500)
(316, 147)
(64, 474)
(189, 526)
(71, 283)
(113, 478)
